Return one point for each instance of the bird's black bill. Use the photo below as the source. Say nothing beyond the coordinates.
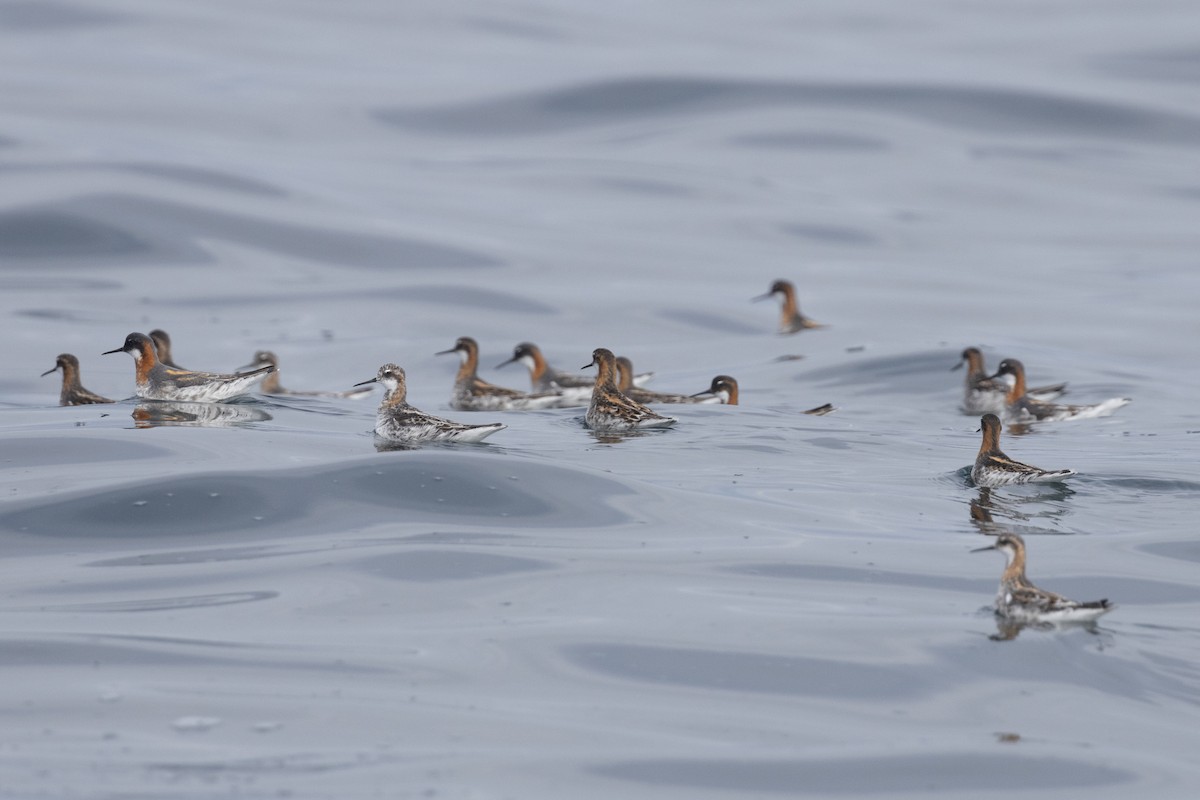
(364, 383)
(52, 369)
(110, 352)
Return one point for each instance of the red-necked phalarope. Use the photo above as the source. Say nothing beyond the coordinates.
(73, 393)
(270, 384)
(155, 381)
(993, 468)
(639, 395)
(400, 422)
(724, 388)
(1020, 407)
(1021, 601)
(162, 348)
(791, 320)
(986, 395)
(546, 378)
(611, 410)
(472, 393)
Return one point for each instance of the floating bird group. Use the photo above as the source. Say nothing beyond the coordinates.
(1006, 394)
(617, 403)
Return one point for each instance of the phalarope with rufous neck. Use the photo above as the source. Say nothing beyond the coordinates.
(1020, 407)
(546, 378)
(73, 393)
(1019, 600)
(398, 421)
(993, 468)
(610, 410)
(639, 395)
(156, 381)
(724, 388)
(472, 393)
(790, 320)
(162, 348)
(984, 394)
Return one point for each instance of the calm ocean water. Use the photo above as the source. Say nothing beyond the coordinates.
(757, 603)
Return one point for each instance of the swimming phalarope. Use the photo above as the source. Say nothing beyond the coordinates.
(1021, 601)
(73, 393)
(791, 320)
(398, 421)
(993, 468)
(472, 393)
(546, 378)
(724, 388)
(639, 395)
(270, 384)
(1020, 407)
(156, 381)
(162, 348)
(984, 394)
(611, 410)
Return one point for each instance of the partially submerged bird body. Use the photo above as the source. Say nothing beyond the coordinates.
(639, 395)
(271, 384)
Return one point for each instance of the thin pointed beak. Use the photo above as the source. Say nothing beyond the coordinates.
(591, 363)
(364, 383)
(982, 549)
(705, 393)
(505, 363)
(446, 352)
(52, 369)
(957, 366)
(110, 352)
(766, 296)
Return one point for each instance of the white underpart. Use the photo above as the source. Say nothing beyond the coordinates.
(528, 362)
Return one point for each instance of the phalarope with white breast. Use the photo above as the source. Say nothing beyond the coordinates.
(472, 393)
(984, 394)
(791, 320)
(993, 468)
(271, 385)
(610, 410)
(73, 393)
(400, 422)
(1020, 407)
(724, 388)
(156, 381)
(1021, 601)
(639, 395)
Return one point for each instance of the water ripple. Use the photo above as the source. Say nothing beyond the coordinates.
(142, 230)
(994, 110)
(880, 774)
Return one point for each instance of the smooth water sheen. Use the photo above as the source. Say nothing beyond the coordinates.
(251, 600)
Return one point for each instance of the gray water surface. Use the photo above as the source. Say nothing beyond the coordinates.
(253, 600)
